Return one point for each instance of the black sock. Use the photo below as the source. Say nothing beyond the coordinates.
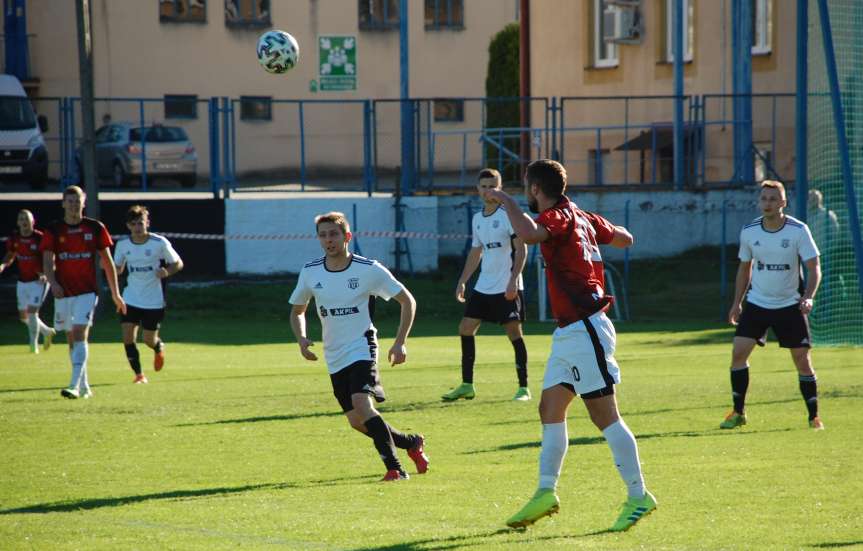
(468, 355)
(739, 384)
(383, 440)
(157, 347)
(134, 357)
(520, 361)
(401, 440)
(809, 390)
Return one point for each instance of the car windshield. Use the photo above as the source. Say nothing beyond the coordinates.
(16, 113)
(158, 134)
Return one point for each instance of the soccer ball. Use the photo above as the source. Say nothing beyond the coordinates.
(278, 51)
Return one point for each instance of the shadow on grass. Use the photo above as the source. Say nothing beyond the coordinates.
(467, 540)
(590, 440)
(836, 544)
(99, 503)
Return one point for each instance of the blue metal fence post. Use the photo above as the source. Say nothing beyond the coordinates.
(554, 152)
(723, 260)
(144, 132)
(407, 115)
(227, 175)
(215, 168)
(842, 139)
(367, 146)
(626, 261)
(626, 141)
(355, 241)
(301, 114)
(744, 169)
(801, 113)
(677, 46)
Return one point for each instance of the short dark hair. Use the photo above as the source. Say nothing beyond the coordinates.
(334, 217)
(549, 176)
(489, 173)
(135, 212)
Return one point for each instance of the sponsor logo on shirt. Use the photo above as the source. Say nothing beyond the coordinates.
(75, 256)
(140, 269)
(88, 237)
(757, 244)
(318, 285)
(773, 267)
(495, 224)
(786, 243)
(493, 245)
(344, 311)
(323, 311)
(353, 283)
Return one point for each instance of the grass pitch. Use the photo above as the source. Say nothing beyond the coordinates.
(239, 443)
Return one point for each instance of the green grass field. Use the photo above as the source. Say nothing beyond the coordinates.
(239, 443)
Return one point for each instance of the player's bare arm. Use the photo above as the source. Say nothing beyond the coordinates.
(7, 261)
(525, 228)
(813, 279)
(111, 276)
(520, 257)
(48, 270)
(298, 327)
(170, 269)
(470, 265)
(622, 238)
(744, 275)
(398, 353)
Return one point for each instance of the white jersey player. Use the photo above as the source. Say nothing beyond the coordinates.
(148, 259)
(498, 295)
(345, 287)
(772, 248)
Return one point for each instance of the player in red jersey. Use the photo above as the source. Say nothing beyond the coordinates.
(582, 351)
(69, 248)
(32, 287)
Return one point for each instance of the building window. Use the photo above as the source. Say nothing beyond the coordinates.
(606, 23)
(595, 166)
(247, 13)
(762, 26)
(444, 14)
(379, 14)
(256, 108)
(181, 106)
(449, 110)
(183, 11)
(688, 30)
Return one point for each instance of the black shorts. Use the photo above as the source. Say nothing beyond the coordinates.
(494, 308)
(789, 324)
(359, 377)
(149, 319)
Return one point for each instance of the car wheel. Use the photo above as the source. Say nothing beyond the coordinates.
(120, 178)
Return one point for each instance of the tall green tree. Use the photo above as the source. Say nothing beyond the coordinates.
(502, 89)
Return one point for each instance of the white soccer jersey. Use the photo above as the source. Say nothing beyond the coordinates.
(143, 288)
(495, 235)
(775, 256)
(345, 304)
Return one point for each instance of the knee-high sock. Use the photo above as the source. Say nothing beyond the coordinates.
(554, 444)
(43, 327)
(520, 361)
(32, 329)
(625, 451)
(400, 440)
(468, 355)
(134, 357)
(78, 354)
(809, 390)
(383, 440)
(739, 385)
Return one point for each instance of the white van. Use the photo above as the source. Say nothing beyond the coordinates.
(23, 156)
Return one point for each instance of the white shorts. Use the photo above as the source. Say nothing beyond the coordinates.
(31, 294)
(77, 310)
(582, 356)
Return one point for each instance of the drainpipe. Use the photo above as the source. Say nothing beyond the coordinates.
(524, 75)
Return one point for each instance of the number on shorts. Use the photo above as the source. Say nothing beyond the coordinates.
(575, 374)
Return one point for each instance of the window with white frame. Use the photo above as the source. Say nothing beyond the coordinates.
(688, 30)
(762, 26)
(606, 24)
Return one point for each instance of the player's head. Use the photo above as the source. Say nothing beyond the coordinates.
(334, 233)
(772, 200)
(546, 178)
(488, 178)
(25, 222)
(138, 220)
(73, 200)
(816, 199)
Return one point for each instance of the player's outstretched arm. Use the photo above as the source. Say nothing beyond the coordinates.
(523, 225)
(398, 353)
(470, 265)
(298, 327)
(7, 261)
(744, 275)
(519, 258)
(813, 279)
(622, 238)
(111, 276)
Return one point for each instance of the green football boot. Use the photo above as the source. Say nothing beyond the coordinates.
(733, 420)
(464, 390)
(522, 394)
(634, 510)
(543, 503)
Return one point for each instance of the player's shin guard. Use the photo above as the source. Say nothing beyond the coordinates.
(520, 361)
(383, 440)
(78, 355)
(554, 445)
(134, 357)
(625, 451)
(739, 385)
(468, 355)
(809, 390)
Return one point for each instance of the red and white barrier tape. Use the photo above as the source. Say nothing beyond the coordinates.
(300, 236)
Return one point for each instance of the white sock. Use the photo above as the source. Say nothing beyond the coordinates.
(79, 364)
(554, 444)
(32, 330)
(625, 451)
(43, 327)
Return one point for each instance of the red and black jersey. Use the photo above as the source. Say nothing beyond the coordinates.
(27, 254)
(573, 263)
(75, 250)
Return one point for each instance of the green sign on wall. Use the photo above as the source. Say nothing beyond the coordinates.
(337, 67)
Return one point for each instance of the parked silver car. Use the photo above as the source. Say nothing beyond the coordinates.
(166, 151)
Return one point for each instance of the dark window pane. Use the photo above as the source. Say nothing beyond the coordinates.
(378, 14)
(158, 134)
(183, 11)
(449, 110)
(256, 108)
(181, 107)
(442, 14)
(247, 13)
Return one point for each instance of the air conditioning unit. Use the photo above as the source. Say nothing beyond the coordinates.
(622, 22)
